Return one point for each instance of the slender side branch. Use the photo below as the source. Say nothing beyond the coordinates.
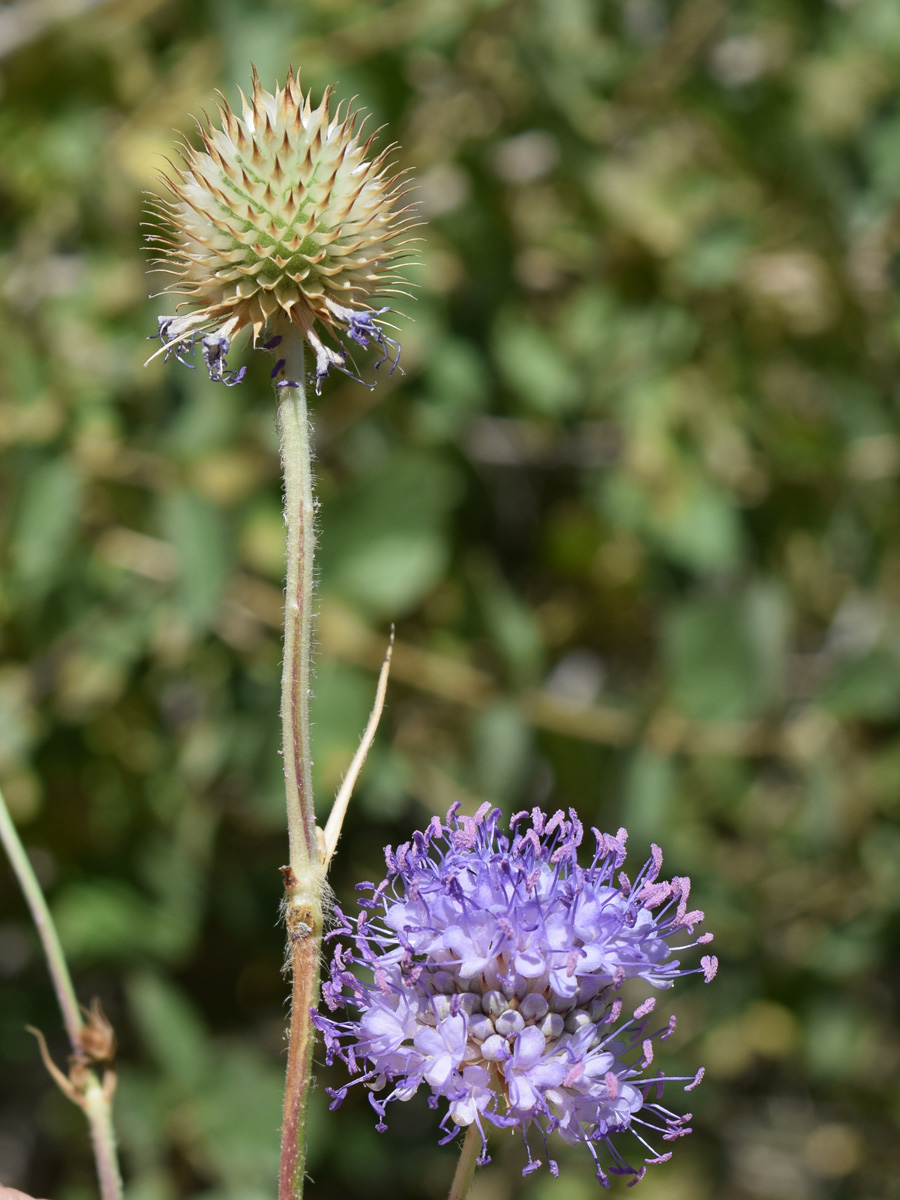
(342, 799)
(91, 1040)
(40, 914)
(304, 877)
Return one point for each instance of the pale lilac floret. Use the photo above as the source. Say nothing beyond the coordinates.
(486, 967)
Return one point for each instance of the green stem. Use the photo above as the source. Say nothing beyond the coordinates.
(468, 1161)
(304, 877)
(97, 1105)
(299, 520)
(40, 914)
(94, 1099)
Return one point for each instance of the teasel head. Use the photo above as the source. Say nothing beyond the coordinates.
(285, 219)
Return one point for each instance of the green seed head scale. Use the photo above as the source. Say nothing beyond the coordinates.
(282, 211)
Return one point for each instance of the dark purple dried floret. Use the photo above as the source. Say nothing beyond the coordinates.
(364, 329)
(215, 354)
(179, 335)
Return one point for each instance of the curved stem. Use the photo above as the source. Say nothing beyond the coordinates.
(91, 1095)
(304, 877)
(468, 1161)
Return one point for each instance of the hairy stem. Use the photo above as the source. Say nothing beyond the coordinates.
(304, 960)
(468, 1161)
(305, 875)
(91, 1095)
(299, 520)
(97, 1106)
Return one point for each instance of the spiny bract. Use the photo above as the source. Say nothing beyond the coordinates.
(282, 214)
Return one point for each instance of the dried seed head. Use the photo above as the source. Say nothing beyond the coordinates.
(98, 1038)
(282, 215)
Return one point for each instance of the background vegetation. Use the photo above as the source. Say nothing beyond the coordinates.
(633, 507)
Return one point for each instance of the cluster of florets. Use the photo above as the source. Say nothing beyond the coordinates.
(284, 218)
(486, 967)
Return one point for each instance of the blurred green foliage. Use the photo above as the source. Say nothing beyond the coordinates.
(633, 508)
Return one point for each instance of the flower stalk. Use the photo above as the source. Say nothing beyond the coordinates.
(304, 877)
(286, 225)
(465, 1167)
(299, 521)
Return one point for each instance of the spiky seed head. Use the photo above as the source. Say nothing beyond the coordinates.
(285, 213)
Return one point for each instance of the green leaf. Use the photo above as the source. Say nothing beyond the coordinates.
(384, 539)
(695, 523)
(701, 529)
(103, 919)
(196, 529)
(837, 1039)
(868, 688)
(207, 418)
(712, 261)
(534, 368)
(715, 670)
(649, 791)
(455, 390)
(502, 742)
(510, 622)
(238, 1113)
(47, 517)
(170, 1028)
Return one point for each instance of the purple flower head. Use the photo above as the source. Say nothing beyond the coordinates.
(486, 967)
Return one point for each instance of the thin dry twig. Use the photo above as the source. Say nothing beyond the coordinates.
(342, 799)
(62, 1081)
